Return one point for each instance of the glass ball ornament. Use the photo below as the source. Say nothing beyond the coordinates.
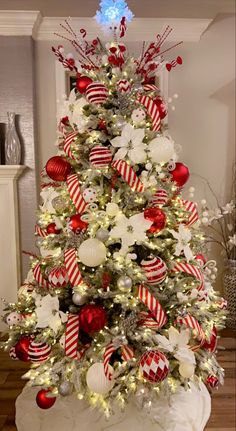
(124, 283)
(97, 381)
(65, 388)
(186, 369)
(79, 299)
(102, 234)
(59, 204)
(92, 252)
(44, 400)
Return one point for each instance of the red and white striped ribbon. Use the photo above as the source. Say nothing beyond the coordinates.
(191, 207)
(150, 87)
(147, 320)
(127, 353)
(69, 140)
(192, 323)
(73, 186)
(40, 232)
(72, 334)
(128, 174)
(190, 269)
(72, 267)
(153, 305)
(38, 275)
(152, 110)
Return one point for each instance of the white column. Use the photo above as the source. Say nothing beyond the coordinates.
(10, 253)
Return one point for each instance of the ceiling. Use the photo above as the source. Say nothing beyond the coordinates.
(140, 8)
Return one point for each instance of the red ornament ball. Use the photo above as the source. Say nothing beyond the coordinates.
(52, 229)
(58, 277)
(157, 216)
(180, 174)
(58, 168)
(92, 318)
(22, 349)
(39, 352)
(76, 225)
(154, 366)
(212, 382)
(44, 401)
(82, 83)
(155, 269)
(211, 344)
(162, 107)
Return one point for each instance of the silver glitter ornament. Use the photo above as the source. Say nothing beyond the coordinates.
(124, 283)
(102, 234)
(79, 299)
(65, 388)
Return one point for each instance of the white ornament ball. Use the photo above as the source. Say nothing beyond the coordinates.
(186, 369)
(90, 195)
(112, 209)
(97, 381)
(14, 318)
(102, 234)
(92, 252)
(138, 115)
(124, 283)
(161, 150)
(79, 299)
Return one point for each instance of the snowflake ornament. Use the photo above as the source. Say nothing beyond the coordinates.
(112, 11)
(131, 144)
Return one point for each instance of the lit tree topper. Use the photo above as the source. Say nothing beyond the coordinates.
(112, 12)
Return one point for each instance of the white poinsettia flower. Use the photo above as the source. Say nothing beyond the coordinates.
(76, 115)
(232, 240)
(63, 109)
(131, 144)
(130, 230)
(183, 237)
(177, 343)
(228, 208)
(48, 313)
(48, 194)
(47, 252)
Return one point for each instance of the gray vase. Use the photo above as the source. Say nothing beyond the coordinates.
(229, 280)
(12, 142)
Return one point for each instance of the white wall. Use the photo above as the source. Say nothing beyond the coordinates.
(203, 122)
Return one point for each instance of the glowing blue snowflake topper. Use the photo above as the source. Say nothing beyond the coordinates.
(112, 11)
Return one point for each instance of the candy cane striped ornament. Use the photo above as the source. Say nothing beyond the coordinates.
(127, 353)
(191, 270)
(155, 270)
(123, 86)
(69, 140)
(152, 110)
(39, 277)
(39, 352)
(72, 267)
(100, 157)
(128, 175)
(159, 198)
(153, 305)
(150, 87)
(40, 232)
(76, 196)
(191, 207)
(96, 93)
(72, 334)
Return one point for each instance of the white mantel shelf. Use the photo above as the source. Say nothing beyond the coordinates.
(10, 254)
(31, 23)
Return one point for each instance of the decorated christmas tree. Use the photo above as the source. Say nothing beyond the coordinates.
(119, 299)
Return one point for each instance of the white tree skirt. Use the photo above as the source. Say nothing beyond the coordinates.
(185, 411)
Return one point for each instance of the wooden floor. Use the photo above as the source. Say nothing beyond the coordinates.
(223, 402)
